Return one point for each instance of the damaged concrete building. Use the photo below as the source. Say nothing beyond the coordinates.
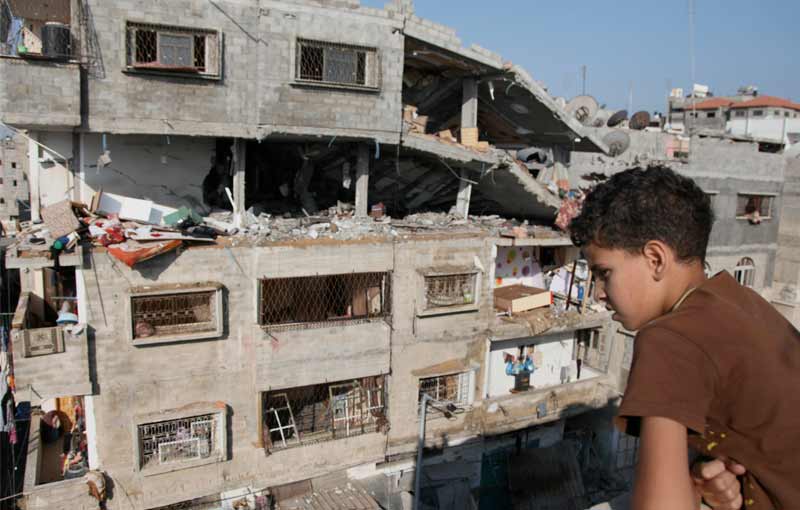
(265, 231)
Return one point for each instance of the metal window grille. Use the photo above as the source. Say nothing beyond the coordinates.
(320, 301)
(323, 412)
(178, 440)
(337, 64)
(170, 314)
(447, 389)
(449, 290)
(166, 47)
(745, 272)
(749, 204)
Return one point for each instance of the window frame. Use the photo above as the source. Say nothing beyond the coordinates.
(335, 426)
(465, 386)
(217, 310)
(760, 195)
(745, 272)
(424, 310)
(385, 295)
(218, 411)
(372, 65)
(213, 51)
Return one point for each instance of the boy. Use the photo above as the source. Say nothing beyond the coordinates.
(714, 364)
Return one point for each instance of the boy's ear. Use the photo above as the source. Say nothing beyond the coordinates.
(657, 254)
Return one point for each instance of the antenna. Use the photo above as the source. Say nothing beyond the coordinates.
(630, 96)
(583, 72)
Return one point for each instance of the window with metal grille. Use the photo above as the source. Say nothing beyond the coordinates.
(179, 440)
(447, 389)
(442, 291)
(323, 412)
(749, 204)
(745, 272)
(627, 453)
(174, 313)
(322, 301)
(170, 48)
(336, 64)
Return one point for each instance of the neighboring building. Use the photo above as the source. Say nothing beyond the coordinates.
(786, 284)
(14, 188)
(766, 119)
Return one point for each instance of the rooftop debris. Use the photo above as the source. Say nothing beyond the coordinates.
(133, 242)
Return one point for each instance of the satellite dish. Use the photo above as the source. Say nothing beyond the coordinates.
(617, 141)
(583, 108)
(640, 120)
(601, 118)
(618, 118)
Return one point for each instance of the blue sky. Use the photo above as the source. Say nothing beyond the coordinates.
(640, 42)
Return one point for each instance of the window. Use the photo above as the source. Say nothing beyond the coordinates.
(752, 206)
(711, 115)
(323, 412)
(591, 349)
(336, 64)
(323, 301)
(745, 272)
(758, 113)
(627, 451)
(785, 114)
(453, 389)
(13, 165)
(450, 291)
(174, 49)
(739, 113)
(181, 442)
(712, 197)
(777, 113)
(175, 313)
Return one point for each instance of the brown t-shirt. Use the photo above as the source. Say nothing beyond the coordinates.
(726, 364)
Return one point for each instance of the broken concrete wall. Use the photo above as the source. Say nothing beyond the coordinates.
(55, 178)
(256, 91)
(720, 166)
(420, 341)
(232, 369)
(169, 170)
(786, 291)
(39, 94)
(128, 101)
(288, 106)
(14, 175)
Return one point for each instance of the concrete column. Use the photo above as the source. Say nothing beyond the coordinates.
(362, 180)
(34, 174)
(469, 104)
(239, 155)
(464, 195)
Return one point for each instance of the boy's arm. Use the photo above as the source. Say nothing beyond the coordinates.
(663, 481)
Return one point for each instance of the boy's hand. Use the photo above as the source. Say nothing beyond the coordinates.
(717, 483)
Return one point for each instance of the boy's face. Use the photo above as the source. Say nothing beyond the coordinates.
(625, 283)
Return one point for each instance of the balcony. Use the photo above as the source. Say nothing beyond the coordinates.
(39, 93)
(49, 360)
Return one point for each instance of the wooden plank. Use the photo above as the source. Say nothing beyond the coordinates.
(519, 298)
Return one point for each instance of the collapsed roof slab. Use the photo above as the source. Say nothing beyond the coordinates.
(507, 92)
(534, 115)
(430, 144)
(517, 193)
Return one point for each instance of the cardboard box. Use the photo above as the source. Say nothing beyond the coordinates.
(519, 298)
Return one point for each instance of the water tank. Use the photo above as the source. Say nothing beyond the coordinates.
(56, 41)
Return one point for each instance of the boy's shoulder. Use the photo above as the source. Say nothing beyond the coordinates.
(720, 309)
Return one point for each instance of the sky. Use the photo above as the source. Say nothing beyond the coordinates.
(643, 45)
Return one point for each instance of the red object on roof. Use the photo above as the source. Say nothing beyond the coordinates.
(766, 102)
(713, 104)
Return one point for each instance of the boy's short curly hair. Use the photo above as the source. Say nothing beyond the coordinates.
(640, 205)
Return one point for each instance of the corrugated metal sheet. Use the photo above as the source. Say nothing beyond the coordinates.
(346, 497)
